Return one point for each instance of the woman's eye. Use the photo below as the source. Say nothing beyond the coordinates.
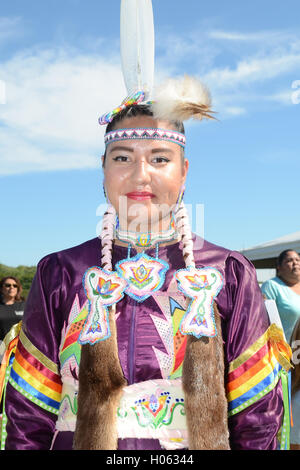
(120, 158)
(160, 160)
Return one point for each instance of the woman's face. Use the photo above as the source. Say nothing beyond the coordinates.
(143, 178)
(10, 288)
(290, 267)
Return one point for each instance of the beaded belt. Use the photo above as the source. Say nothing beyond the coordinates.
(148, 410)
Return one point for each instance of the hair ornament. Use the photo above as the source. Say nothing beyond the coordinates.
(182, 98)
(134, 98)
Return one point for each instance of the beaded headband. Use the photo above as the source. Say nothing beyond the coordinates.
(145, 133)
(138, 133)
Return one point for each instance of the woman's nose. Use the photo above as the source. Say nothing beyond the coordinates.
(141, 174)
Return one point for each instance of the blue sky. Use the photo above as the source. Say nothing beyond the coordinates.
(60, 62)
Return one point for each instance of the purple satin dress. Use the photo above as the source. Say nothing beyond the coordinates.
(59, 280)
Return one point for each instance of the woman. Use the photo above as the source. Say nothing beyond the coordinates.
(133, 354)
(11, 303)
(284, 288)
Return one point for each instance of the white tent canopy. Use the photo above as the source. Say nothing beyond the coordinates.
(273, 248)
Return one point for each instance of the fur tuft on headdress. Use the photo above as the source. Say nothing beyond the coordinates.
(181, 99)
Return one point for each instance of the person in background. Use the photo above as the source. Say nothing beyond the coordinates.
(295, 345)
(284, 288)
(12, 303)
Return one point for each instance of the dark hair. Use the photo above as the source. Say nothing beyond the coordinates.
(19, 297)
(282, 257)
(138, 110)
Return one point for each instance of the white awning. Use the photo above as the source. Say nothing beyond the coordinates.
(273, 248)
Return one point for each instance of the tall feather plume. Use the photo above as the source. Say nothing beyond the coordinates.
(182, 98)
(137, 45)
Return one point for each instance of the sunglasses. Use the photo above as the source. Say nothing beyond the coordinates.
(11, 285)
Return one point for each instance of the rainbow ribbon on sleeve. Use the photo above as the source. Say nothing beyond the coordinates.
(257, 371)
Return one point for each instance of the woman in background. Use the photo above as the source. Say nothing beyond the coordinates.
(284, 288)
(12, 303)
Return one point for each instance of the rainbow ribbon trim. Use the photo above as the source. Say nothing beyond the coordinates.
(35, 376)
(10, 342)
(257, 371)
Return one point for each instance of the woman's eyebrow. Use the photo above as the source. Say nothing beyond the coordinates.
(121, 148)
(162, 149)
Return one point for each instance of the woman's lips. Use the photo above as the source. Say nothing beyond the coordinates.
(140, 195)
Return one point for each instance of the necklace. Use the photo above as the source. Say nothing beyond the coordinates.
(146, 240)
(138, 277)
(143, 273)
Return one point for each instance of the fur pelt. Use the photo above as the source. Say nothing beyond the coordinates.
(203, 384)
(101, 381)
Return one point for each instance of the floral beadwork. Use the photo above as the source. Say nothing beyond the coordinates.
(143, 275)
(156, 411)
(202, 285)
(103, 289)
(150, 408)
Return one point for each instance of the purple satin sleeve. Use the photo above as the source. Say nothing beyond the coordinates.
(256, 427)
(246, 319)
(29, 426)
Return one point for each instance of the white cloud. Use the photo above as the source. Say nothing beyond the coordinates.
(256, 64)
(253, 69)
(55, 96)
(53, 101)
(284, 97)
(263, 37)
(264, 61)
(19, 155)
(234, 110)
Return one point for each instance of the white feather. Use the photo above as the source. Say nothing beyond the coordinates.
(173, 97)
(137, 45)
